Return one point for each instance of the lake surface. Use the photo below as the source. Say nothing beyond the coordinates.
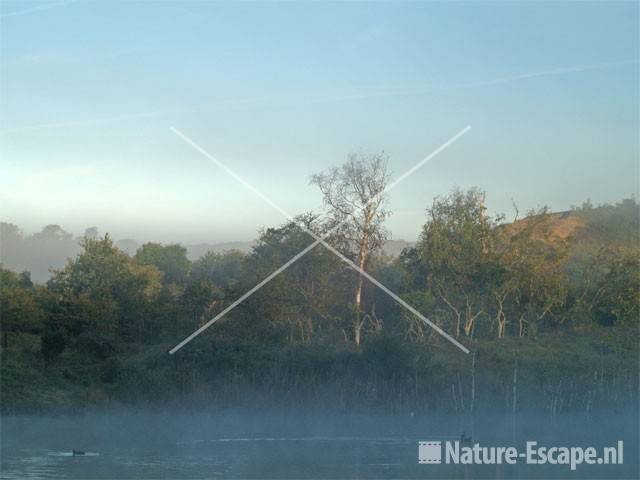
(169, 445)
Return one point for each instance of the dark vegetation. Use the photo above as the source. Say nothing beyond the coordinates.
(548, 305)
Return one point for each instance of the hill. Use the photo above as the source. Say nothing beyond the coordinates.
(560, 316)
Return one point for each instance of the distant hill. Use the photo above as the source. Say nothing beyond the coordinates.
(610, 225)
(589, 228)
(196, 251)
(563, 225)
(392, 248)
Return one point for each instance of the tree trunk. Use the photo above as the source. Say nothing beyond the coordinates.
(362, 256)
(470, 322)
(502, 320)
(358, 320)
(455, 311)
(500, 316)
(468, 327)
(357, 331)
(522, 326)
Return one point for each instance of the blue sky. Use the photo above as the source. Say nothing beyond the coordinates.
(279, 91)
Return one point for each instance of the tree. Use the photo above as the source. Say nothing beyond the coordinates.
(198, 305)
(355, 196)
(104, 292)
(20, 311)
(620, 300)
(454, 255)
(171, 260)
(222, 269)
(91, 232)
(309, 297)
(613, 296)
(53, 232)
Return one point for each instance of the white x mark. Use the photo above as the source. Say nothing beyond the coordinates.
(318, 239)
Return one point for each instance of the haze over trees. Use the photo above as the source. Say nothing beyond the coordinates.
(553, 295)
(51, 248)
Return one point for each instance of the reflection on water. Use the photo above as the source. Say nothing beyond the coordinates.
(137, 445)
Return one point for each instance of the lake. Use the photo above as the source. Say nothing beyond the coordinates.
(172, 445)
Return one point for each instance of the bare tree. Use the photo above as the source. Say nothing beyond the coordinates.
(354, 193)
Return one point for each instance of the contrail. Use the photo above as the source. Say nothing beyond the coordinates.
(551, 72)
(37, 9)
(409, 90)
(75, 123)
(381, 92)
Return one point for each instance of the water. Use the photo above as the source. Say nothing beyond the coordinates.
(128, 445)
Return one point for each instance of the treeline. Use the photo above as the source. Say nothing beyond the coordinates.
(52, 246)
(548, 304)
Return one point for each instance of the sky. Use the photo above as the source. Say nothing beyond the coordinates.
(279, 91)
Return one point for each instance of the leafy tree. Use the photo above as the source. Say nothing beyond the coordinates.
(199, 302)
(53, 344)
(171, 260)
(614, 298)
(455, 256)
(19, 307)
(477, 267)
(104, 291)
(310, 296)
(222, 269)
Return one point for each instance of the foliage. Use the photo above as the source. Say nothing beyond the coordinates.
(19, 307)
(103, 291)
(221, 269)
(171, 260)
(562, 310)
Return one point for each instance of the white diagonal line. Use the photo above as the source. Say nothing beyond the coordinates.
(318, 240)
(241, 299)
(427, 158)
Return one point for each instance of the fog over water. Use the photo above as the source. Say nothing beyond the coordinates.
(128, 444)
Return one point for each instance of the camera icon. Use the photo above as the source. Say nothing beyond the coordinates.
(430, 452)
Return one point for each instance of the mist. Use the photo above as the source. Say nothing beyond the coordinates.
(53, 246)
(296, 444)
